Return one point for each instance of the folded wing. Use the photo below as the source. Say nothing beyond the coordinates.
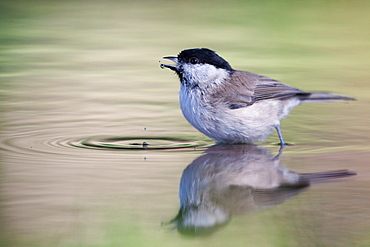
(247, 88)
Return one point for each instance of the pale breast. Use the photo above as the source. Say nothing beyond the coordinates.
(242, 125)
(196, 110)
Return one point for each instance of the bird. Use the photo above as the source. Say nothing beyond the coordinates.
(233, 106)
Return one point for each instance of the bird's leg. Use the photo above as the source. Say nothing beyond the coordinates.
(282, 142)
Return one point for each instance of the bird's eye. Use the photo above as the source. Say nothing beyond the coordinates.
(194, 60)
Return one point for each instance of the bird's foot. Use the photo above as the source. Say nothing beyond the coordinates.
(283, 144)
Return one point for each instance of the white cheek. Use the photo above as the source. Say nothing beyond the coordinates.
(205, 74)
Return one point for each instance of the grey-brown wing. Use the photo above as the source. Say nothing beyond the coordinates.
(244, 89)
(258, 88)
(237, 92)
(275, 90)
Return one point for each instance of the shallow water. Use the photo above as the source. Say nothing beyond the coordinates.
(81, 91)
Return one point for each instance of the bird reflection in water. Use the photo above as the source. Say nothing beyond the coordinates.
(234, 180)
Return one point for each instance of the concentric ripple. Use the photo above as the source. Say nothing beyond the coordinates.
(138, 142)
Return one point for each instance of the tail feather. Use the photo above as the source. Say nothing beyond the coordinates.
(325, 97)
(323, 176)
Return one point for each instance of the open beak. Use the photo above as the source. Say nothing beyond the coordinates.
(169, 66)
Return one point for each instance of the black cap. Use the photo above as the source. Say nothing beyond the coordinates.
(203, 56)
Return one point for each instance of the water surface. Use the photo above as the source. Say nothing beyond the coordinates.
(77, 73)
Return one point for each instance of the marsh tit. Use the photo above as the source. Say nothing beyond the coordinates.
(233, 106)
